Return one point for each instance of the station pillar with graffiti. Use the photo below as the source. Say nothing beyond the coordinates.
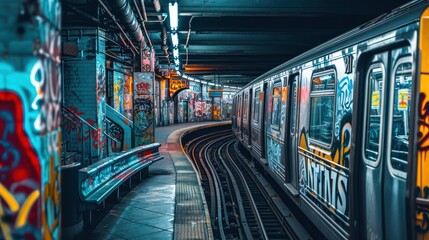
(85, 90)
(143, 108)
(30, 120)
(143, 105)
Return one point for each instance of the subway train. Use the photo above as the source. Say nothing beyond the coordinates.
(344, 128)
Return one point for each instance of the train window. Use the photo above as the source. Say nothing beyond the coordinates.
(256, 106)
(322, 107)
(375, 79)
(401, 114)
(275, 115)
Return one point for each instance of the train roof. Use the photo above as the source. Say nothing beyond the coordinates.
(396, 18)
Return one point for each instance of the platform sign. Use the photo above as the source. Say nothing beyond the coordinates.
(403, 99)
(215, 93)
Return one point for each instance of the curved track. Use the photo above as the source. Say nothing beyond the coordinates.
(239, 206)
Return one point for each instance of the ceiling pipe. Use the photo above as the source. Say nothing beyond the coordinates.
(144, 10)
(126, 16)
(133, 48)
(164, 45)
(142, 23)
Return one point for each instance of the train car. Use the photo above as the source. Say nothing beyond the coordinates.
(257, 122)
(344, 127)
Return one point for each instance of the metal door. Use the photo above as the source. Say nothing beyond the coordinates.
(291, 133)
(386, 86)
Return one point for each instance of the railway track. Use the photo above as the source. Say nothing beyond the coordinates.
(238, 204)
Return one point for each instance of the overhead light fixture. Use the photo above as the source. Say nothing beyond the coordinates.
(175, 39)
(176, 53)
(174, 15)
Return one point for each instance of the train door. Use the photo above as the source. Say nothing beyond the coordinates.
(291, 133)
(275, 129)
(382, 157)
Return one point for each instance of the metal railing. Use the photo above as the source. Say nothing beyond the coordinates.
(81, 137)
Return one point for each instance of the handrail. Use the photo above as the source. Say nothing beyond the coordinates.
(89, 125)
(78, 117)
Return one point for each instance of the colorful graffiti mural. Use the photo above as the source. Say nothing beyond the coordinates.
(101, 105)
(177, 85)
(30, 126)
(324, 177)
(128, 97)
(143, 108)
(422, 181)
(118, 92)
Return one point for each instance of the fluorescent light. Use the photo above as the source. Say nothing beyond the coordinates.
(174, 15)
(175, 39)
(176, 53)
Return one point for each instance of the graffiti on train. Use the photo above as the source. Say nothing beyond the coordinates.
(422, 183)
(344, 100)
(325, 174)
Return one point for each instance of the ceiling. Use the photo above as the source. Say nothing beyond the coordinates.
(234, 41)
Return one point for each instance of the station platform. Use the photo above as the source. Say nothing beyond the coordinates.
(168, 203)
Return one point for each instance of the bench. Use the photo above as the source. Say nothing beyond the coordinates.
(99, 180)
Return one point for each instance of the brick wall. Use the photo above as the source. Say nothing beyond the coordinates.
(85, 85)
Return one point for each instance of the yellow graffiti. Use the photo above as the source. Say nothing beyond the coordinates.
(52, 201)
(22, 212)
(9, 199)
(422, 179)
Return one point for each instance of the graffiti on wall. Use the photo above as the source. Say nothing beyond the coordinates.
(128, 97)
(216, 110)
(177, 85)
(101, 106)
(30, 129)
(156, 104)
(20, 171)
(143, 108)
(171, 112)
(118, 92)
(71, 126)
(203, 110)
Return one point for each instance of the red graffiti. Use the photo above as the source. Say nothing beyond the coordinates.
(75, 124)
(143, 88)
(19, 163)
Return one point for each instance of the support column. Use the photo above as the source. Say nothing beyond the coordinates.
(85, 89)
(30, 120)
(144, 129)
